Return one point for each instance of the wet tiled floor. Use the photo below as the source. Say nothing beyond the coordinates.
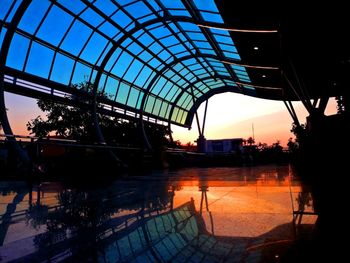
(188, 215)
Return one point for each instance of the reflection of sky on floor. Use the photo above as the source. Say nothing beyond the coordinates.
(250, 203)
(244, 211)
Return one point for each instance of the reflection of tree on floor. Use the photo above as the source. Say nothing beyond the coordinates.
(7, 216)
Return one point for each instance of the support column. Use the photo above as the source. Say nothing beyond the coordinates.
(201, 141)
(3, 55)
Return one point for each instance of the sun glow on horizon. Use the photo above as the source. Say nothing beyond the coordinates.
(233, 115)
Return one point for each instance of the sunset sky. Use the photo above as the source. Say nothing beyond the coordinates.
(232, 115)
(229, 115)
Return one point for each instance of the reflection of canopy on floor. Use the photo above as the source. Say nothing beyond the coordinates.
(179, 234)
(148, 235)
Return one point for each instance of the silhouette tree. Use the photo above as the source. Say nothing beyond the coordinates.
(292, 145)
(250, 141)
(340, 104)
(74, 122)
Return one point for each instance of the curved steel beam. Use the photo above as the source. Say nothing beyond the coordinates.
(183, 91)
(139, 26)
(127, 35)
(3, 55)
(168, 66)
(206, 96)
(219, 77)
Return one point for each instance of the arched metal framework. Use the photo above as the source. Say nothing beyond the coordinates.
(144, 56)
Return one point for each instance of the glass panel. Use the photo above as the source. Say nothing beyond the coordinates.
(141, 79)
(160, 31)
(208, 51)
(163, 110)
(208, 5)
(134, 94)
(111, 87)
(51, 31)
(108, 29)
(102, 82)
(176, 93)
(229, 48)
(177, 49)
(134, 48)
(94, 48)
(145, 39)
(202, 44)
(145, 56)
(17, 52)
(189, 26)
(106, 50)
(149, 104)
(210, 17)
(113, 59)
(39, 60)
(106, 6)
(166, 89)
(184, 116)
(5, 7)
(188, 102)
(164, 55)
(138, 106)
(183, 98)
(158, 85)
(232, 55)
(223, 39)
(169, 41)
(171, 93)
(2, 34)
(173, 4)
(74, 6)
(175, 112)
(138, 9)
(179, 13)
(92, 17)
(62, 69)
(157, 105)
(133, 71)
(149, 79)
(76, 38)
(123, 93)
(81, 73)
(155, 48)
(196, 36)
(122, 64)
(34, 14)
(248, 87)
(154, 63)
(121, 19)
(154, 4)
(13, 11)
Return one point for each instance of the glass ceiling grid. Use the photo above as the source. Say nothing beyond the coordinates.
(148, 32)
(88, 30)
(211, 39)
(178, 28)
(157, 40)
(135, 39)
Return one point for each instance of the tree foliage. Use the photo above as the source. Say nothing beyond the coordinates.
(74, 122)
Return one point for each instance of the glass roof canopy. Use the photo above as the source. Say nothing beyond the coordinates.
(155, 57)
